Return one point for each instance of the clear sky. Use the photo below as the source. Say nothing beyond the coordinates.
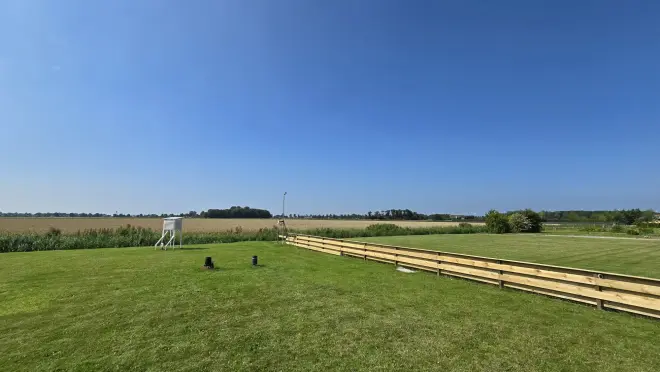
(142, 106)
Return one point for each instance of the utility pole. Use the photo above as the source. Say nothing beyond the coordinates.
(282, 232)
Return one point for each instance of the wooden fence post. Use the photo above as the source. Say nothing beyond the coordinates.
(439, 262)
(396, 255)
(499, 281)
(365, 251)
(599, 302)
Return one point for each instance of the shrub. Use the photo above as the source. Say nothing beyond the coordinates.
(385, 229)
(648, 225)
(646, 230)
(465, 225)
(497, 223)
(519, 223)
(535, 221)
(632, 231)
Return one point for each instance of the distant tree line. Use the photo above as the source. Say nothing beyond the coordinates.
(53, 214)
(236, 212)
(623, 217)
(233, 212)
(388, 215)
(528, 221)
(95, 215)
(247, 212)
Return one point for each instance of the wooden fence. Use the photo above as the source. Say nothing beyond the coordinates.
(604, 290)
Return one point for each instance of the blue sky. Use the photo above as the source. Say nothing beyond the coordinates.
(437, 106)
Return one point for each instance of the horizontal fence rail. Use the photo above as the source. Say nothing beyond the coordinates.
(604, 290)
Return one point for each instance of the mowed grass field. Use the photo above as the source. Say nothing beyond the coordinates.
(140, 309)
(640, 257)
(72, 225)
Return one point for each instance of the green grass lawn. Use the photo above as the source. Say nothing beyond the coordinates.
(140, 309)
(640, 257)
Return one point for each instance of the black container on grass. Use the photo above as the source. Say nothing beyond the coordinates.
(254, 260)
(208, 263)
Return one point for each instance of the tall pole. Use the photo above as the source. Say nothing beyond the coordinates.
(283, 200)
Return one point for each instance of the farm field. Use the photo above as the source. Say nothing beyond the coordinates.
(72, 225)
(140, 309)
(640, 257)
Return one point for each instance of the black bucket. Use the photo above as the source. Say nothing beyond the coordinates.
(254, 260)
(208, 263)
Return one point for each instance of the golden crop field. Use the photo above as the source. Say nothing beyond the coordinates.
(70, 225)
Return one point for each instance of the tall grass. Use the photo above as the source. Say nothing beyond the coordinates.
(131, 236)
(125, 236)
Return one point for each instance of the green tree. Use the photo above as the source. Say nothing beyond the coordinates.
(647, 216)
(535, 221)
(519, 223)
(497, 223)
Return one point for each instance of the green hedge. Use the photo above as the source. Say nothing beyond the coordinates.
(642, 229)
(129, 236)
(387, 229)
